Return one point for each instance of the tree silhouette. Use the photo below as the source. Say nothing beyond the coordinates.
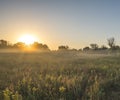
(62, 47)
(38, 45)
(19, 45)
(116, 47)
(94, 46)
(86, 48)
(3, 43)
(103, 47)
(45, 46)
(111, 42)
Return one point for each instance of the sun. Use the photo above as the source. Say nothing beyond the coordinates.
(27, 39)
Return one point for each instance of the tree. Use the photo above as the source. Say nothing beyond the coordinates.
(45, 46)
(116, 47)
(103, 47)
(38, 45)
(111, 42)
(62, 47)
(94, 46)
(86, 48)
(73, 49)
(3, 43)
(20, 45)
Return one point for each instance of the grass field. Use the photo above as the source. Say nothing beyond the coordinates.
(59, 76)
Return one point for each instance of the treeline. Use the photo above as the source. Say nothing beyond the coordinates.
(20, 45)
(110, 42)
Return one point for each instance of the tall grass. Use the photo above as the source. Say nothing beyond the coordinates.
(59, 76)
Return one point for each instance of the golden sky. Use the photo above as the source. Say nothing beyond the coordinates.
(74, 23)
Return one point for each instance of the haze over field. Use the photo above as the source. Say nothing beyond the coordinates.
(75, 23)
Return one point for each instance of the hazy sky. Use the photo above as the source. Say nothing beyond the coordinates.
(76, 23)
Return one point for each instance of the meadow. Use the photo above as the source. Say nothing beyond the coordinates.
(59, 76)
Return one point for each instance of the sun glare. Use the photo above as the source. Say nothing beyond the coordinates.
(27, 39)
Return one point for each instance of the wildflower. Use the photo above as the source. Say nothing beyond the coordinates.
(62, 89)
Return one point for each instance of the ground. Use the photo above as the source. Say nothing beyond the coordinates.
(60, 76)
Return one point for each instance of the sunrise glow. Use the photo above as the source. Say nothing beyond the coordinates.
(27, 39)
